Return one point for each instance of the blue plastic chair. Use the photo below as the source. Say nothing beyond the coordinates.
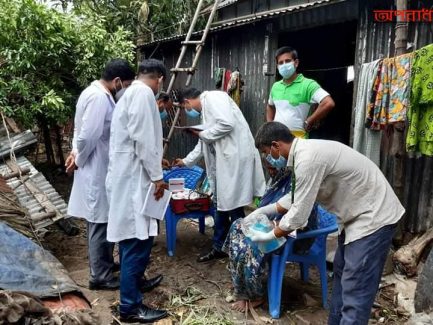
(192, 176)
(316, 256)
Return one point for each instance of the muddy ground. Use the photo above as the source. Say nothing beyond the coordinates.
(194, 293)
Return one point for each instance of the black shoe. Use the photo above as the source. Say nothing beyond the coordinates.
(108, 285)
(116, 267)
(212, 255)
(143, 315)
(149, 285)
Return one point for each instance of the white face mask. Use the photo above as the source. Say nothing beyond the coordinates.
(287, 70)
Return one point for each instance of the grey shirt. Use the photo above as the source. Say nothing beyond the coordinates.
(345, 183)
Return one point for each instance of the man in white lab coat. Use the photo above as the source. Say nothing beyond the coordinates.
(89, 162)
(136, 147)
(233, 163)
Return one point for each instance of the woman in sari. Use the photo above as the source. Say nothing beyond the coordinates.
(247, 263)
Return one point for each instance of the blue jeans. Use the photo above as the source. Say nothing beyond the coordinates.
(134, 257)
(223, 221)
(358, 268)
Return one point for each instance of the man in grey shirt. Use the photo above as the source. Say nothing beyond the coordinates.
(352, 187)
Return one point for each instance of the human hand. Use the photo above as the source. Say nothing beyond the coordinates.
(194, 132)
(178, 162)
(70, 164)
(165, 164)
(258, 236)
(160, 186)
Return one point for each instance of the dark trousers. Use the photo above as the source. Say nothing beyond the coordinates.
(223, 221)
(358, 269)
(134, 257)
(100, 252)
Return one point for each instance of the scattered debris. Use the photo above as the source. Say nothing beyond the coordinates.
(20, 307)
(188, 311)
(407, 257)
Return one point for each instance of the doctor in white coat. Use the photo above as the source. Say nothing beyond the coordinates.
(89, 162)
(136, 146)
(232, 161)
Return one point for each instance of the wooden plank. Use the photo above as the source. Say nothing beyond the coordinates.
(13, 125)
(40, 196)
(23, 172)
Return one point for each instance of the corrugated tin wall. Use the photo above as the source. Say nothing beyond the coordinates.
(412, 178)
(229, 49)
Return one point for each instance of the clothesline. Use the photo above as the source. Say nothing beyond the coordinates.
(328, 69)
(401, 90)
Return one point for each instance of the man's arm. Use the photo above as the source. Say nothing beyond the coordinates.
(325, 106)
(141, 128)
(92, 128)
(220, 108)
(308, 180)
(270, 113)
(194, 156)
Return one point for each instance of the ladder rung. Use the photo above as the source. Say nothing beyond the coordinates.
(182, 70)
(192, 43)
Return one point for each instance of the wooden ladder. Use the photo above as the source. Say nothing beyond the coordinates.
(189, 70)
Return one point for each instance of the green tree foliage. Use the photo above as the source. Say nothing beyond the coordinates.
(47, 57)
(147, 20)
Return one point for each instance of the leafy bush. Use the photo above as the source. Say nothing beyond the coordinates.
(47, 57)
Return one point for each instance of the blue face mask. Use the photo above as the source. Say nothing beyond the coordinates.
(287, 70)
(119, 94)
(192, 113)
(279, 163)
(163, 115)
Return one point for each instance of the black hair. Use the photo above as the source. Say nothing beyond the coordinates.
(270, 132)
(118, 68)
(152, 67)
(187, 93)
(286, 49)
(163, 96)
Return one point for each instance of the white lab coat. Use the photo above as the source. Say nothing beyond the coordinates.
(93, 115)
(135, 161)
(233, 163)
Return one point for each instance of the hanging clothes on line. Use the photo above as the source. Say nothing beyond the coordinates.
(219, 74)
(391, 89)
(420, 114)
(234, 87)
(366, 141)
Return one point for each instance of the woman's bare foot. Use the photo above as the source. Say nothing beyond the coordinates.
(256, 303)
(240, 306)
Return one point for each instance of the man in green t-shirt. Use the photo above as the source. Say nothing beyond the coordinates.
(291, 98)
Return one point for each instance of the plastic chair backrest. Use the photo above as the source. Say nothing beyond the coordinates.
(191, 175)
(326, 219)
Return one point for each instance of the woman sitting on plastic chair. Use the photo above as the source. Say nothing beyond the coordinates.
(247, 261)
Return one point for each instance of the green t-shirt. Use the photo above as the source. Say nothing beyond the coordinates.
(293, 101)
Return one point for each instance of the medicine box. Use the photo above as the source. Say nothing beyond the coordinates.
(176, 184)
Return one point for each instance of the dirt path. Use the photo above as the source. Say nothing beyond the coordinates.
(194, 293)
(188, 287)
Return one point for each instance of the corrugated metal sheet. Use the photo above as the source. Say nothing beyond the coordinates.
(230, 51)
(412, 178)
(28, 200)
(249, 19)
(222, 4)
(20, 141)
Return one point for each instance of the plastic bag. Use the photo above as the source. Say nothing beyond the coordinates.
(261, 223)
